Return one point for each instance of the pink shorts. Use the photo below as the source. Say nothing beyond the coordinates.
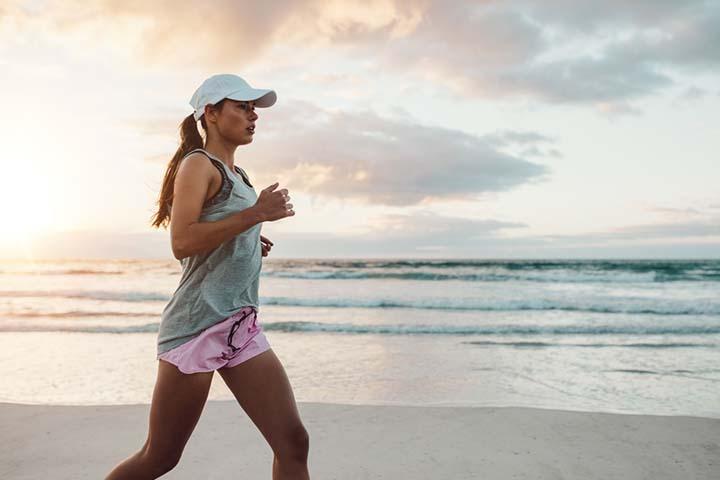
(226, 344)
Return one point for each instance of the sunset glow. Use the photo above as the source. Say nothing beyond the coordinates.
(566, 130)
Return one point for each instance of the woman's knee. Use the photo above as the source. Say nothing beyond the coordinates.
(161, 461)
(295, 444)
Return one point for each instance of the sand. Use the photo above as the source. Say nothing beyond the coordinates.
(372, 442)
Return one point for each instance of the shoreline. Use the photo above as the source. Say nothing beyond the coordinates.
(372, 441)
(381, 405)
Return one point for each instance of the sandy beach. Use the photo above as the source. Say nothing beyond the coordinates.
(372, 442)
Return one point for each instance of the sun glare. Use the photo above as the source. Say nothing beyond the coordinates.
(24, 202)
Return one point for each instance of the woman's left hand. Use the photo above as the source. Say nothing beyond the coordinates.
(266, 245)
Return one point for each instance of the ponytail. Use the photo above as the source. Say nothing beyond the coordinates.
(190, 139)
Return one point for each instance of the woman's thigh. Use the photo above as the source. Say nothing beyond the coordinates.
(263, 390)
(178, 400)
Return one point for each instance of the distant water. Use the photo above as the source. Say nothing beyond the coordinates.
(635, 336)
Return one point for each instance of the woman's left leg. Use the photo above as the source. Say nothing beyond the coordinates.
(263, 390)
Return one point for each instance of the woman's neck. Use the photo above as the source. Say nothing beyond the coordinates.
(224, 153)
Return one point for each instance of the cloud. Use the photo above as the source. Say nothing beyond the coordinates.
(413, 235)
(659, 231)
(360, 156)
(217, 33)
(513, 137)
(558, 51)
(377, 160)
(692, 93)
(590, 16)
(583, 80)
(614, 108)
(540, 50)
(561, 51)
(445, 236)
(708, 228)
(683, 212)
(430, 227)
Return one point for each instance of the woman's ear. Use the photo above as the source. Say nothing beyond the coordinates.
(209, 112)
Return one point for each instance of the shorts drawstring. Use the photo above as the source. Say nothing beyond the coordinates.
(235, 326)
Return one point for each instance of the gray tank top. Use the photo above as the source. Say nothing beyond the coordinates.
(216, 284)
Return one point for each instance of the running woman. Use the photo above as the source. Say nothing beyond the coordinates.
(211, 321)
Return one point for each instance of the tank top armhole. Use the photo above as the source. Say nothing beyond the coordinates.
(225, 185)
(244, 176)
(223, 182)
(223, 173)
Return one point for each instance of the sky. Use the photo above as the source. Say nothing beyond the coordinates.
(405, 129)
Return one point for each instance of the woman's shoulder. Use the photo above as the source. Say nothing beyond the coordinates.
(198, 161)
(196, 154)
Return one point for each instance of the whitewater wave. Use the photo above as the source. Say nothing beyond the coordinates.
(399, 329)
(646, 306)
(609, 305)
(494, 330)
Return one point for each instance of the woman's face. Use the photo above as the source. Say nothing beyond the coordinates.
(236, 121)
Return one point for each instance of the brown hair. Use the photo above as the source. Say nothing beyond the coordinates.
(190, 139)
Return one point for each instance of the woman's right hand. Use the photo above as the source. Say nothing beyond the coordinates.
(272, 205)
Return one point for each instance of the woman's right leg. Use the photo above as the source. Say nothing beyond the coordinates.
(178, 400)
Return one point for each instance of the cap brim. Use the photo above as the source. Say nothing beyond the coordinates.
(262, 97)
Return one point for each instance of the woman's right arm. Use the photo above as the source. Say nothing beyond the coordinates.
(188, 235)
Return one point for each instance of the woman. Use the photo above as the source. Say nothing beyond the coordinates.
(210, 322)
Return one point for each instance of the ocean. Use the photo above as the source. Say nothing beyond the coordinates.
(621, 336)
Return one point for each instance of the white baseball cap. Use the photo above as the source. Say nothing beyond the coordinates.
(226, 85)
